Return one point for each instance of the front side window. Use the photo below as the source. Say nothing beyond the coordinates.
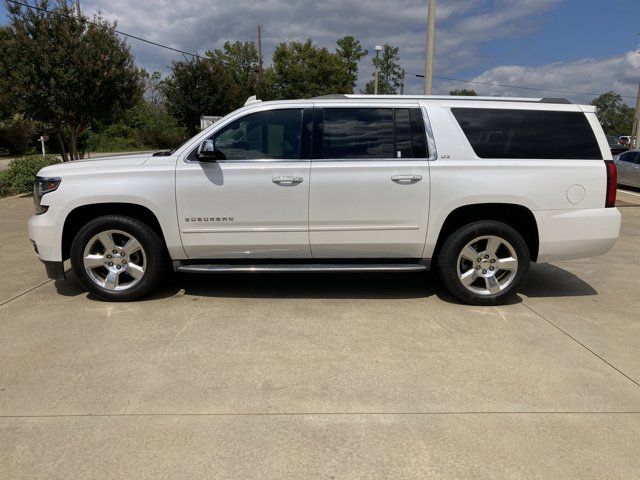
(536, 134)
(271, 134)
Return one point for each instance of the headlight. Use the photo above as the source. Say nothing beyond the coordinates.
(41, 186)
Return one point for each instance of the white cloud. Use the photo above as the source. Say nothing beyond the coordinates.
(463, 26)
(593, 76)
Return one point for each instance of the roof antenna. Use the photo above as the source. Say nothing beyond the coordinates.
(252, 99)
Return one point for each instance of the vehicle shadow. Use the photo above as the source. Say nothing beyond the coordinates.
(544, 280)
(548, 280)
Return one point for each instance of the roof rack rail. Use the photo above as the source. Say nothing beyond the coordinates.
(443, 97)
(332, 95)
(555, 100)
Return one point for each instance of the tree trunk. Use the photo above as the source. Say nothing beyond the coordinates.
(63, 151)
(73, 146)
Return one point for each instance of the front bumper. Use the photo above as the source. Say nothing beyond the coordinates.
(55, 270)
(46, 234)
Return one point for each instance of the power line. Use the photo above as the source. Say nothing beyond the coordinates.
(515, 86)
(195, 55)
(125, 34)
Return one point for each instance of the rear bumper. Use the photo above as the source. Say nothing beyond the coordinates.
(577, 233)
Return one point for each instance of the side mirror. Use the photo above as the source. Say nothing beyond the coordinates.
(207, 152)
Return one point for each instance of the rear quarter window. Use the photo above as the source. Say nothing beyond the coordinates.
(535, 134)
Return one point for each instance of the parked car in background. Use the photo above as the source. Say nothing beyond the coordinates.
(628, 165)
(615, 146)
(626, 140)
(478, 187)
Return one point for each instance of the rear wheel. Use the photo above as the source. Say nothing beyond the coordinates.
(118, 258)
(483, 263)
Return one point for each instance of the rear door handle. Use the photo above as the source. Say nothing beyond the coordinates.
(406, 178)
(286, 180)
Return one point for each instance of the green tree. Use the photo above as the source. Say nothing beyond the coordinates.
(152, 88)
(615, 116)
(390, 73)
(302, 70)
(240, 59)
(18, 134)
(198, 87)
(5, 66)
(464, 92)
(67, 72)
(351, 52)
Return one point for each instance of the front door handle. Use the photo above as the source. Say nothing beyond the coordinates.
(286, 180)
(406, 178)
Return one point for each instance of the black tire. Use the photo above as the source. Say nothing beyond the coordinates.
(448, 263)
(152, 245)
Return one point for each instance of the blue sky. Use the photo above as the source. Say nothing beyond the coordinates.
(577, 45)
(575, 29)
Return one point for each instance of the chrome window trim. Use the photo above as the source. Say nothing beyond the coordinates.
(187, 148)
(431, 140)
(253, 160)
(370, 160)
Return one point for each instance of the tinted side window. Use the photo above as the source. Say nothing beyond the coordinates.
(497, 133)
(418, 134)
(344, 133)
(357, 133)
(272, 134)
(630, 157)
(404, 143)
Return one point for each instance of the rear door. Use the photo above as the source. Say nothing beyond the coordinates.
(369, 194)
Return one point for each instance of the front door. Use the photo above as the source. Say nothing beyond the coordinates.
(369, 193)
(251, 202)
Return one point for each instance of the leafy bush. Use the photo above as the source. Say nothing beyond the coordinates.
(142, 127)
(19, 177)
(114, 138)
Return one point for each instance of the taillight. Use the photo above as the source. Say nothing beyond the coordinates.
(612, 183)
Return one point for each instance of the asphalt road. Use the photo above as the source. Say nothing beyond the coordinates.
(321, 376)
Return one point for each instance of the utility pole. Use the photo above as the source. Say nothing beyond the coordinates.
(636, 121)
(636, 117)
(378, 48)
(78, 8)
(431, 32)
(260, 51)
(402, 82)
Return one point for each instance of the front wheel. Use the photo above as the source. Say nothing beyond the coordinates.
(117, 258)
(483, 263)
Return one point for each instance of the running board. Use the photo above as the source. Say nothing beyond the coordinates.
(293, 268)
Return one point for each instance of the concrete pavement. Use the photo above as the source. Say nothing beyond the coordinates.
(320, 376)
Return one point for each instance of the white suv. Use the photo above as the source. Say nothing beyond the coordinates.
(475, 186)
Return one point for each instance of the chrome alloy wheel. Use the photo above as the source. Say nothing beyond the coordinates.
(487, 265)
(114, 260)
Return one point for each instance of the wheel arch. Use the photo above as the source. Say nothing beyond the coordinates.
(517, 216)
(79, 216)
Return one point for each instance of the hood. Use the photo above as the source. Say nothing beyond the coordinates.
(103, 164)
